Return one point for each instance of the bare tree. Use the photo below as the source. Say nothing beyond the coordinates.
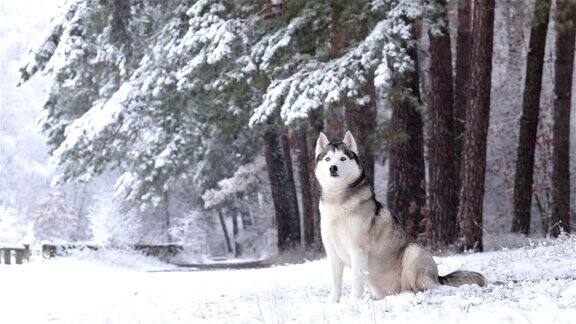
(477, 120)
(524, 177)
(563, 69)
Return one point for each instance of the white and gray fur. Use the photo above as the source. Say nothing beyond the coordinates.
(359, 233)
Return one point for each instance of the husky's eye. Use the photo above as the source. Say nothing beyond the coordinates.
(343, 158)
(327, 159)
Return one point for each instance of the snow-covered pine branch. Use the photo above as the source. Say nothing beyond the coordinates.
(382, 54)
(38, 59)
(195, 75)
(243, 179)
(159, 112)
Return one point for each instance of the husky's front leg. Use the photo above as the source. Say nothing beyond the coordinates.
(359, 264)
(337, 270)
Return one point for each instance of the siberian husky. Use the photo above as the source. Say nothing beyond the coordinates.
(358, 232)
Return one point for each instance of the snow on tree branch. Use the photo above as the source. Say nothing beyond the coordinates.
(246, 176)
(38, 59)
(382, 53)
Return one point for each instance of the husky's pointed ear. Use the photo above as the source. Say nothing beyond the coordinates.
(350, 142)
(321, 143)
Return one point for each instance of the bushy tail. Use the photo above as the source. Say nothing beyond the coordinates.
(459, 278)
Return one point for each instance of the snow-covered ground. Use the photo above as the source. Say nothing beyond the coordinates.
(529, 285)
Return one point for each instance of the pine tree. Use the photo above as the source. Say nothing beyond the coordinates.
(156, 70)
(563, 69)
(406, 176)
(442, 185)
(283, 190)
(524, 176)
(315, 127)
(388, 56)
(163, 91)
(306, 176)
(477, 120)
(461, 80)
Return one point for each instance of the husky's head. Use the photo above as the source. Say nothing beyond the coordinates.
(337, 164)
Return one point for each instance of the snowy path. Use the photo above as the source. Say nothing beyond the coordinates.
(116, 289)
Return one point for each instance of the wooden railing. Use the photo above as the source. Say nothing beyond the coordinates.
(20, 254)
(163, 250)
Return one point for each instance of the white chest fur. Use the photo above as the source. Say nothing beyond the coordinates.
(341, 228)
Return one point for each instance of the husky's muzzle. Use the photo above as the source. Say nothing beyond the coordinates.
(333, 171)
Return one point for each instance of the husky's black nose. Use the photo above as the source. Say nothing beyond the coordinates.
(333, 170)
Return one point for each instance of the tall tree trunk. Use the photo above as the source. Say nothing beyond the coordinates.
(283, 190)
(167, 216)
(305, 185)
(285, 142)
(315, 120)
(524, 177)
(361, 121)
(442, 190)
(477, 120)
(563, 69)
(463, 53)
(406, 177)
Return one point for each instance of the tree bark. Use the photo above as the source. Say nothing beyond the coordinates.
(316, 126)
(167, 216)
(361, 121)
(406, 177)
(477, 120)
(463, 53)
(442, 185)
(285, 141)
(306, 178)
(283, 190)
(524, 177)
(563, 69)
